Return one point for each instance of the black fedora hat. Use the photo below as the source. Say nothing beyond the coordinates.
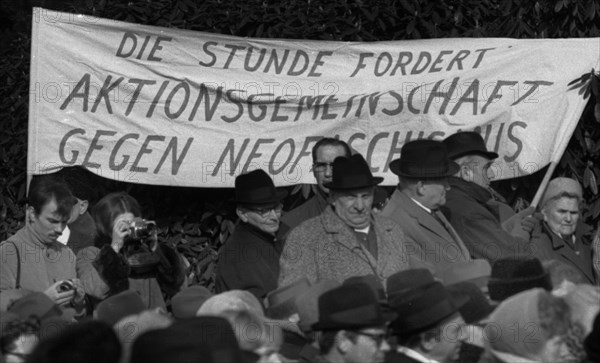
(511, 275)
(423, 307)
(467, 143)
(405, 280)
(351, 173)
(375, 284)
(256, 188)
(424, 159)
(351, 306)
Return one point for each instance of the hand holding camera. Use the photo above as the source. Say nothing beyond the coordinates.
(61, 292)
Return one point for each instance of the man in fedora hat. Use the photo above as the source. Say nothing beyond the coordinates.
(347, 239)
(423, 170)
(353, 326)
(476, 212)
(324, 153)
(249, 260)
(428, 324)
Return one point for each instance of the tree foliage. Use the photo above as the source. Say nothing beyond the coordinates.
(198, 221)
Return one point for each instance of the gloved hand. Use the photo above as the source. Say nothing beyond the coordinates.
(529, 223)
(521, 224)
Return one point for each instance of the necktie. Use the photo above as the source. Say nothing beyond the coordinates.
(437, 214)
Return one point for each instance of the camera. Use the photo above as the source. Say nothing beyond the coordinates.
(65, 286)
(141, 229)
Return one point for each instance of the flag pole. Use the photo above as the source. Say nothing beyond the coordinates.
(544, 184)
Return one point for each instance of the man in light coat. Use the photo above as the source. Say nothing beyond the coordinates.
(347, 239)
(423, 171)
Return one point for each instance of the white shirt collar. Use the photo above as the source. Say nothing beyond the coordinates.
(421, 205)
(415, 355)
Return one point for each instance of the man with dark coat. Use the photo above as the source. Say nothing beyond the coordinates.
(428, 324)
(249, 260)
(324, 153)
(352, 325)
(423, 171)
(472, 209)
(347, 239)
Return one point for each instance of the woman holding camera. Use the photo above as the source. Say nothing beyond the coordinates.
(127, 254)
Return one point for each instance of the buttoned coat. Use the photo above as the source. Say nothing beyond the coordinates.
(421, 228)
(546, 245)
(324, 247)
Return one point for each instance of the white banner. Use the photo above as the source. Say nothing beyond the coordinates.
(173, 107)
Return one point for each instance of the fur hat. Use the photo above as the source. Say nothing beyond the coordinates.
(558, 186)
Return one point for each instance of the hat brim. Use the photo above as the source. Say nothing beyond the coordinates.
(272, 201)
(486, 154)
(438, 173)
(376, 180)
(438, 311)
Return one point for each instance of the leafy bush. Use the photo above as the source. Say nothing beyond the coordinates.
(198, 221)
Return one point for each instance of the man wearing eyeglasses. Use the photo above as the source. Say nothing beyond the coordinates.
(249, 260)
(324, 153)
(352, 325)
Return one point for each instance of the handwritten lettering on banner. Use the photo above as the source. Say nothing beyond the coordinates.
(174, 107)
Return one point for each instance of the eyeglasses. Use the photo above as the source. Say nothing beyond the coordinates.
(264, 212)
(321, 166)
(377, 338)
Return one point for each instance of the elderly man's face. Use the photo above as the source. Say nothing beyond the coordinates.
(562, 215)
(354, 206)
(265, 219)
(433, 192)
(322, 167)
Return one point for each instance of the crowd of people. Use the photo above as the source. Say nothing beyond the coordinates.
(442, 270)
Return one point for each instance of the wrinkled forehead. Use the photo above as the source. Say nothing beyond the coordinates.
(353, 193)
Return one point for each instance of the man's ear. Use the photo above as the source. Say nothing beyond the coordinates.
(419, 189)
(242, 215)
(427, 343)
(466, 172)
(83, 206)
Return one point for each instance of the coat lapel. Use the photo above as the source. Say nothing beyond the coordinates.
(424, 219)
(343, 235)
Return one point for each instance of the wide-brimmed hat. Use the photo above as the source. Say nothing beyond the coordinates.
(37, 304)
(351, 173)
(377, 286)
(281, 301)
(423, 307)
(256, 188)
(405, 280)
(118, 306)
(424, 159)
(307, 303)
(185, 304)
(512, 275)
(477, 307)
(467, 143)
(476, 271)
(351, 306)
